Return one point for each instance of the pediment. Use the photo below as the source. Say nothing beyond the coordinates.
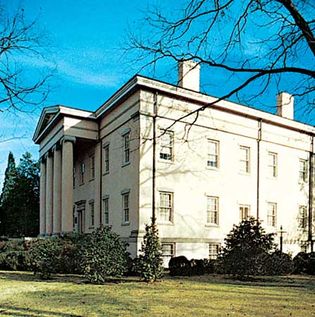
(47, 115)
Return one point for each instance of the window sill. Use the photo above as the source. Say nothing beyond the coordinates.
(92, 179)
(165, 161)
(91, 228)
(126, 223)
(212, 225)
(125, 164)
(169, 223)
(244, 174)
(106, 173)
(211, 168)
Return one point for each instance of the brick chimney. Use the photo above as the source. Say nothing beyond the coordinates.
(189, 75)
(285, 105)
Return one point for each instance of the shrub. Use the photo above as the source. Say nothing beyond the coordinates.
(304, 263)
(44, 256)
(211, 266)
(245, 249)
(103, 255)
(14, 260)
(150, 261)
(197, 267)
(278, 263)
(179, 266)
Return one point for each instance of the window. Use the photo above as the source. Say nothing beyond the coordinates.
(92, 167)
(303, 170)
(125, 203)
(126, 148)
(91, 213)
(167, 252)
(166, 145)
(73, 178)
(213, 153)
(244, 159)
(272, 164)
(302, 217)
(166, 207)
(106, 158)
(214, 249)
(272, 214)
(244, 212)
(213, 210)
(82, 171)
(106, 211)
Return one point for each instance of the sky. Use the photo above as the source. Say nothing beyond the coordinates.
(83, 48)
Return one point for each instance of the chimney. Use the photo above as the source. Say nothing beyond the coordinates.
(189, 75)
(285, 105)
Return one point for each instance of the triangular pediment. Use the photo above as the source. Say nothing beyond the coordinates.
(47, 115)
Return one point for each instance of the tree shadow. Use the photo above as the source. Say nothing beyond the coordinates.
(6, 310)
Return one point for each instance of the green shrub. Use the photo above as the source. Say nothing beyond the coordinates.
(44, 256)
(14, 260)
(304, 263)
(103, 255)
(246, 248)
(179, 266)
(150, 261)
(278, 263)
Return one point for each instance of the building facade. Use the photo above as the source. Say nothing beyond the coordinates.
(150, 150)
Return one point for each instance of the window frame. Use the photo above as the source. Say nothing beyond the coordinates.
(126, 148)
(245, 161)
(168, 157)
(168, 217)
(303, 173)
(91, 214)
(125, 208)
(82, 172)
(273, 166)
(216, 155)
(242, 206)
(272, 211)
(92, 166)
(172, 249)
(106, 158)
(106, 210)
(213, 214)
(303, 217)
(213, 255)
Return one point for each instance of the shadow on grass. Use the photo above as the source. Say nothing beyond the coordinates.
(62, 278)
(6, 310)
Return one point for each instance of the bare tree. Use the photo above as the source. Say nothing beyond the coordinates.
(265, 42)
(19, 39)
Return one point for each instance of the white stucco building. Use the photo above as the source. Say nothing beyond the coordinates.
(142, 151)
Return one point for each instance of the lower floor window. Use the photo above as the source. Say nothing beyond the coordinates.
(214, 249)
(168, 251)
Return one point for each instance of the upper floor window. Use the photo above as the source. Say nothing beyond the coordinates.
(244, 211)
(272, 214)
(166, 145)
(272, 164)
(214, 249)
(106, 211)
(213, 153)
(166, 207)
(125, 205)
(303, 217)
(213, 210)
(126, 148)
(244, 159)
(303, 170)
(106, 158)
(92, 213)
(73, 177)
(92, 166)
(82, 171)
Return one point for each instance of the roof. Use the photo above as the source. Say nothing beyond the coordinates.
(49, 115)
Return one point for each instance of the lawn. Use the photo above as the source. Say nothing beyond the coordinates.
(21, 294)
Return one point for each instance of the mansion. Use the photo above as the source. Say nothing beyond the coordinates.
(199, 165)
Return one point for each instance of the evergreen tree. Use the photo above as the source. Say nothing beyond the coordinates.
(20, 204)
(150, 261)
(246, 248)
(8, 185)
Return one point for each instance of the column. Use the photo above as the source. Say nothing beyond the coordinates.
(57, 191)
(97, 186)
(49, 193)
(67, 185)
(42, 198)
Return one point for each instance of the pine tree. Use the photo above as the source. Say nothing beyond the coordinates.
(8, 185)
(150, 261)
(20, 200)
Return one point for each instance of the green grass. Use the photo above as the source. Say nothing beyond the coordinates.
(21, 294)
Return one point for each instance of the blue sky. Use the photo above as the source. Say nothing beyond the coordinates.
(83, 45)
